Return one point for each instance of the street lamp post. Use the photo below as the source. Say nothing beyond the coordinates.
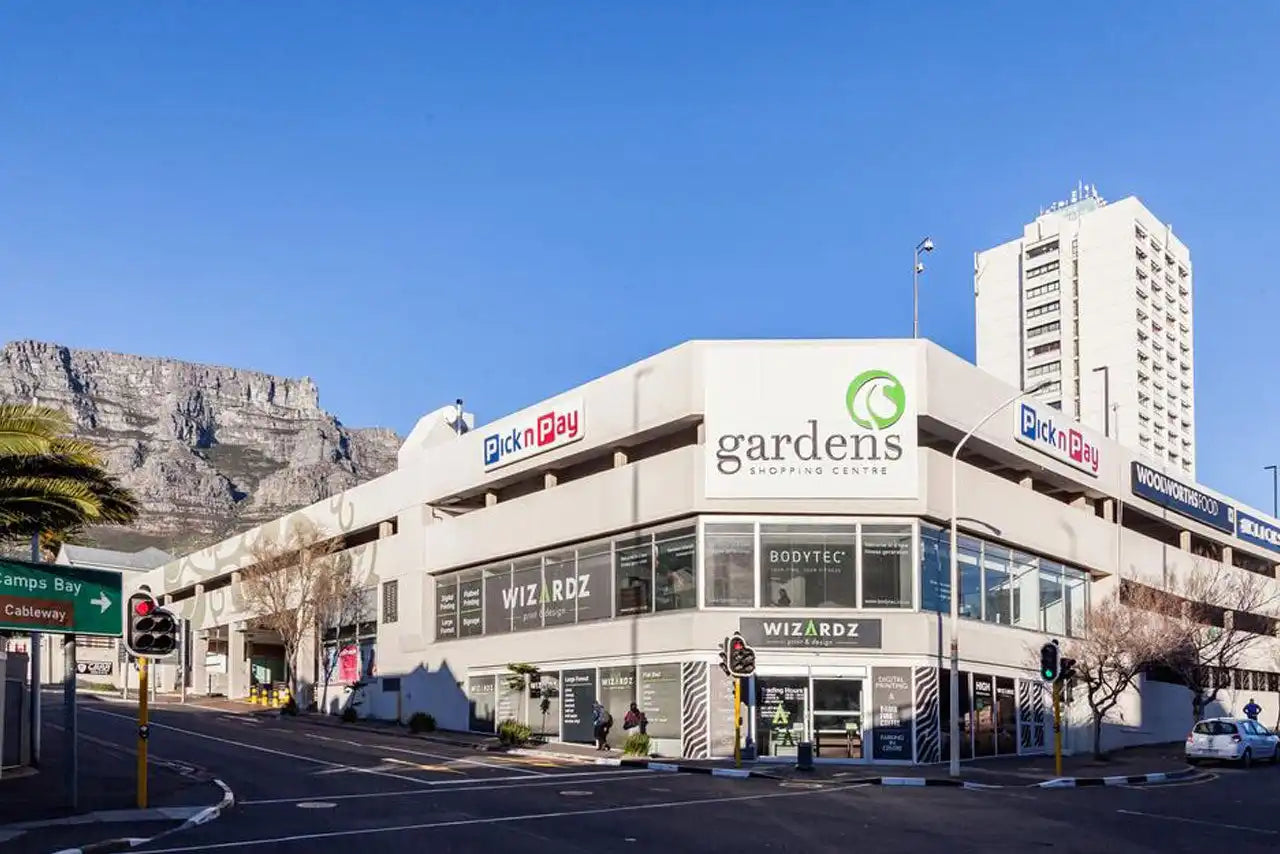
(917, 268)
(955, 577)
(1106, 398)
(1275, 491)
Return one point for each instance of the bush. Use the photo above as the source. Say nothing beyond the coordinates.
(637, 745)
(349, 715)
(422, 722)
(514, 734)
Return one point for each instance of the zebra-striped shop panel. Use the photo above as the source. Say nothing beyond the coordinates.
(1030, 716)
(925, 684)
(695, 722)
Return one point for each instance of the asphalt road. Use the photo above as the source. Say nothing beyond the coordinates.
(302, 788)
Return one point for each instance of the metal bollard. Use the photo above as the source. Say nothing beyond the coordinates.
(804, 756)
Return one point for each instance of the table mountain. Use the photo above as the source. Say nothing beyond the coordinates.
(208, 450)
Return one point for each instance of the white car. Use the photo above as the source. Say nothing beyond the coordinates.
(1235, 739)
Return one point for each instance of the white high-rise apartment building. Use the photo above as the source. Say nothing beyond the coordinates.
(1095, 298)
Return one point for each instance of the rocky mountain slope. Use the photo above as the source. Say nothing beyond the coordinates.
(208, 450)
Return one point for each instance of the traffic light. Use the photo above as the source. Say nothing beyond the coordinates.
(1067, 669)
(152, 632)
(1050, 662)
(724, 657)
(742, 658)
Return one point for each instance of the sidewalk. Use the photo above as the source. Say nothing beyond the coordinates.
(35, 818)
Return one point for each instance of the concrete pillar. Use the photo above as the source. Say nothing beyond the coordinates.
(1184, 540)
(549, 480)
(702, 433)
(490, 498)
(385, 529)
(308, 670)
(1025, 482)
(237, 662)
(619, 458)
(1109, 509)
(1226, 555)
(1080, 502)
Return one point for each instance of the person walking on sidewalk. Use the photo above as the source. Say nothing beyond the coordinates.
(601, 722)
(635, 719)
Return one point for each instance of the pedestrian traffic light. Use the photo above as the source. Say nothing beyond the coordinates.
(152, 631)
(1050, 662)
(742, 658)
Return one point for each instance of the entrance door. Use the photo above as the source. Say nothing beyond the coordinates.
(1006, 717)
(837, 718)
(782, 705)
(984, 716)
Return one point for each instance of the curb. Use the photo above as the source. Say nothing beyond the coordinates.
(206, 815)
(398, 732)
(1120, 780)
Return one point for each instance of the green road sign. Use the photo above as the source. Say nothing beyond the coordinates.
(46, 597)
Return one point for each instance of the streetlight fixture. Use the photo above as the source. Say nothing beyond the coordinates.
(1106, 397)
(917, 268)
(955, 576)
(1275, 491)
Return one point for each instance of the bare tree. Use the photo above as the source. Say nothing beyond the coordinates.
(1219, 612)
(1115, 641)
(294, 579)
(339, 603)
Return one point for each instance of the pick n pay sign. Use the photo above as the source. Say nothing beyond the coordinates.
(1049, 432)
(555, 425)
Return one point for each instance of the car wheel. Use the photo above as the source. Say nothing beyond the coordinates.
(1275, 754)
(1193, 760)
(1247, 759)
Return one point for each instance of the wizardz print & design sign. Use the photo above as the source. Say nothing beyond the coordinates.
(811, 421)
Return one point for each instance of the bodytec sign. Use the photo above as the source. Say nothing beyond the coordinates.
(520, 437)
(811, 421)
(1051, 433)
(1174, 495)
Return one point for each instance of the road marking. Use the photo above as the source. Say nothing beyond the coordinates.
(418, 766)
(260, 749)
(463, 760)
(505, 819)
(319, 737)
(473, 785)
(316, 805)
(1223, 825)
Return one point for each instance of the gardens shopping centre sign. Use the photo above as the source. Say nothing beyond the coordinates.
(811, 421)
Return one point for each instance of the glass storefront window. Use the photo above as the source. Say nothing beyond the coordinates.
(595, 582)
(470, 604)
(970, 556)
(633, 568)
(935, 570)
(525, 601)
(446, 607)
(730, 565)
(560, 591)
(1002, 586)
(1025, 570)
(675, 570)
(886, 566)
(1052, 603)
(497, 593)
(997, 603)
(808, 566)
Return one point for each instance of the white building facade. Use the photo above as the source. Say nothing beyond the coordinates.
(1095, 298)
(796, 491)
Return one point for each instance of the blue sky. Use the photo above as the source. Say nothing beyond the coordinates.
(413, 202)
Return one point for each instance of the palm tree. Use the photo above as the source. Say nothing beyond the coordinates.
(51, 482)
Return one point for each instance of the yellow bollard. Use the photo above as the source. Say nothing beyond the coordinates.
(253, 695)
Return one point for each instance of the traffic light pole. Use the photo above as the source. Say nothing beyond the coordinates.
(142, 733)
(1057, 728)
(737, 722)
(70, 724)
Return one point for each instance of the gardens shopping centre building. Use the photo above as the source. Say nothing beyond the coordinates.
(796, 491)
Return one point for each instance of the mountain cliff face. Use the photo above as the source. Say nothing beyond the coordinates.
(209, 451)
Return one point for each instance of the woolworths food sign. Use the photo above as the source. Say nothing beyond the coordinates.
(811, 421)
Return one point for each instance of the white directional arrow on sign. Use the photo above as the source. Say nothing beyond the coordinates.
(102, 602)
